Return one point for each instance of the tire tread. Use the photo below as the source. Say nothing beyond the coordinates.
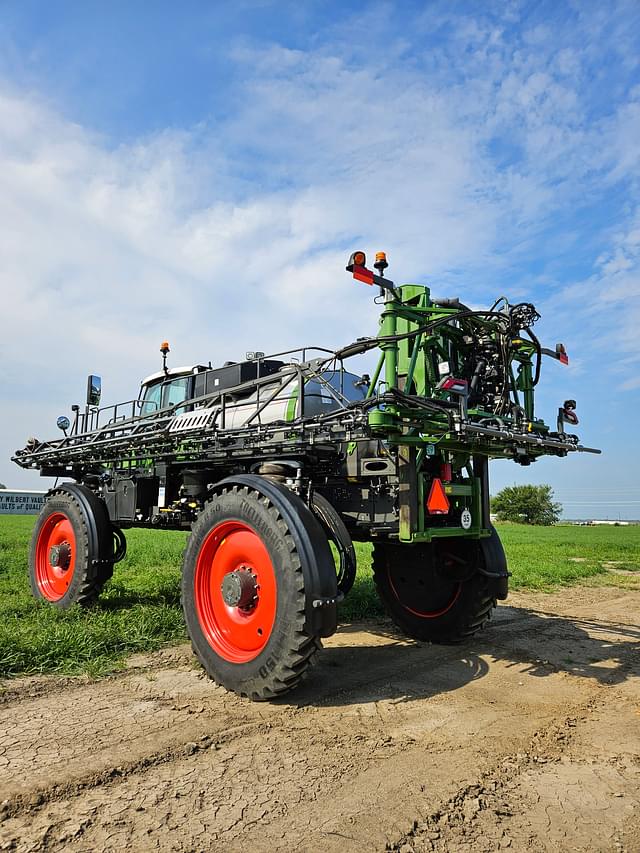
(468, 615)
(293, 663)
(87, 592)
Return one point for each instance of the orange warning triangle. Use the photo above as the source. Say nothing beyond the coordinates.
(437, 502)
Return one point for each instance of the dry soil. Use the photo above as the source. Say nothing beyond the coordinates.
(526, 738)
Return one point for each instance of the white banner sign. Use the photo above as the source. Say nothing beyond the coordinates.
(19, 502)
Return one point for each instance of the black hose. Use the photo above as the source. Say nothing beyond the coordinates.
(366, 344)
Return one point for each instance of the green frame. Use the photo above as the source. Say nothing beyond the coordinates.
(409, 364)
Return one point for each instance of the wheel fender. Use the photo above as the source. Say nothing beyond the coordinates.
(96, 517)
(333, 525)
(318, 569)
(495, 564)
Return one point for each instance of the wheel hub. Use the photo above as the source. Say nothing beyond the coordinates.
(60, 556)
(240, 589)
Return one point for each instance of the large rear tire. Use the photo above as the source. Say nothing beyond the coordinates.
(243, 592)
(435, 591)
(68, 561)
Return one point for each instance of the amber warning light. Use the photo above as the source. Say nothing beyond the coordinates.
(164, 349)
(357, 267)
(381, 261)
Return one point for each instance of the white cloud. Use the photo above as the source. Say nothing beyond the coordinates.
(103, 252)
(233, 236)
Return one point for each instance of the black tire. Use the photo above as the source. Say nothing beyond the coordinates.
(65, 517)
(277, 666)
(337, 532)
(434, 591)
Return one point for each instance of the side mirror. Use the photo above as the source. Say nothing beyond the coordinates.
(63, 423)
(94, 390)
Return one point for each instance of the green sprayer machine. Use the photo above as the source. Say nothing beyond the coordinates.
(276, 464)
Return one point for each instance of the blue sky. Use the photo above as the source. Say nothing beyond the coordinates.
(200, 172)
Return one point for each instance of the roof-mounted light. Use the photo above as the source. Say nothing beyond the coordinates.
(164, 349)
(357, 266)
(356, 259)
(381, 261)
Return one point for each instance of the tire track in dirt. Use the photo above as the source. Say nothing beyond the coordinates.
(144, 718)
(562, 793)
(385, 737)
(276, 779)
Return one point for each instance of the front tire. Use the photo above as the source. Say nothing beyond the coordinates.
(243, 594)
(67, 563)
(434, 591)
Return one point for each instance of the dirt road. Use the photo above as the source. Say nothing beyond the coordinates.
(526, 739)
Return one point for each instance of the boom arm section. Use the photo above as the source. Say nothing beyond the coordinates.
(457, 378)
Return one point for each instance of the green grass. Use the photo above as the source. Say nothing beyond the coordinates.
(140, 608)
(545, 557)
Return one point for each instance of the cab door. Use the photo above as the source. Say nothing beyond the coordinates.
(177, 390)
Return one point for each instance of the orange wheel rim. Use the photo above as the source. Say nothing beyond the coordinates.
(55, 556)
(235, 591)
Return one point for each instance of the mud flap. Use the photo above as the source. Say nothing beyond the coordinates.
(495, 564)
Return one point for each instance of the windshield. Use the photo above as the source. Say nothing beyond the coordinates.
(166, 393)
(175, 391)
(151, 399)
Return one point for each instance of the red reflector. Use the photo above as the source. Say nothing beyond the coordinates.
(445, 472)
(564, 358)
(363, 274)
(437, 502)
(452, 384)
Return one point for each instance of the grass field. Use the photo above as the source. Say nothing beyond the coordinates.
(140, 608)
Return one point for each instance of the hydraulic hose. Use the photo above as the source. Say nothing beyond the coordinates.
(366, 344)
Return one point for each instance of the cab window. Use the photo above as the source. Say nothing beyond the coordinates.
(175, 391)
(151, 399)
(318, 399)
